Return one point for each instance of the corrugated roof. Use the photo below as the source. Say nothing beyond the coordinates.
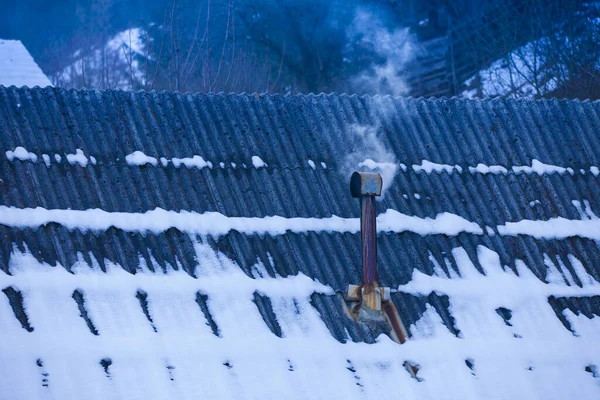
(18, 68)
(286, 132)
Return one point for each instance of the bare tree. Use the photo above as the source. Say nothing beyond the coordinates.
(98, 57)
(204, 53)
(542, 49)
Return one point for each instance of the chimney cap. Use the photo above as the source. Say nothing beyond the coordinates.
(365, 184)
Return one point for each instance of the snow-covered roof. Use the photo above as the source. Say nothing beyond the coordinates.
(18, 68)
(162, 245)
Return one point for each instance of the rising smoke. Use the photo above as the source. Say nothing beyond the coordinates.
(370, 154)
(388, 51)
(382, 56)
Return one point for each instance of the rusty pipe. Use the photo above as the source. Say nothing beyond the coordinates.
(375, 309)
(365, 186)
(368, 237)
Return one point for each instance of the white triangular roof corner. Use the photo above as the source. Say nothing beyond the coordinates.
(17, 66)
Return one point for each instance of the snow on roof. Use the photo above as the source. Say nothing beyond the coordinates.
(18, 68)
(131, 266)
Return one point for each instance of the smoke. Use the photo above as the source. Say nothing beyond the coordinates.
(386, 53)
(378, 56)
(370, 154)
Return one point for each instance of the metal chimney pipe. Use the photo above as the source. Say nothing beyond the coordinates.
(367, 185)
(370, 304)
(368, 237)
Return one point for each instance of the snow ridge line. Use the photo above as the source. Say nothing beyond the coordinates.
(216, 224)
(138, 158)
(554, 228)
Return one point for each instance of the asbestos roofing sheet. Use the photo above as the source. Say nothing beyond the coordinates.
(199, 246)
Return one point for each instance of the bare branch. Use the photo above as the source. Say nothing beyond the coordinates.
(129, 60)
(280, 65)
(204, 36)
(224, 46)
(174, 46)
(159, 59)
(231, 62)
(195, 38)
(268, 67)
